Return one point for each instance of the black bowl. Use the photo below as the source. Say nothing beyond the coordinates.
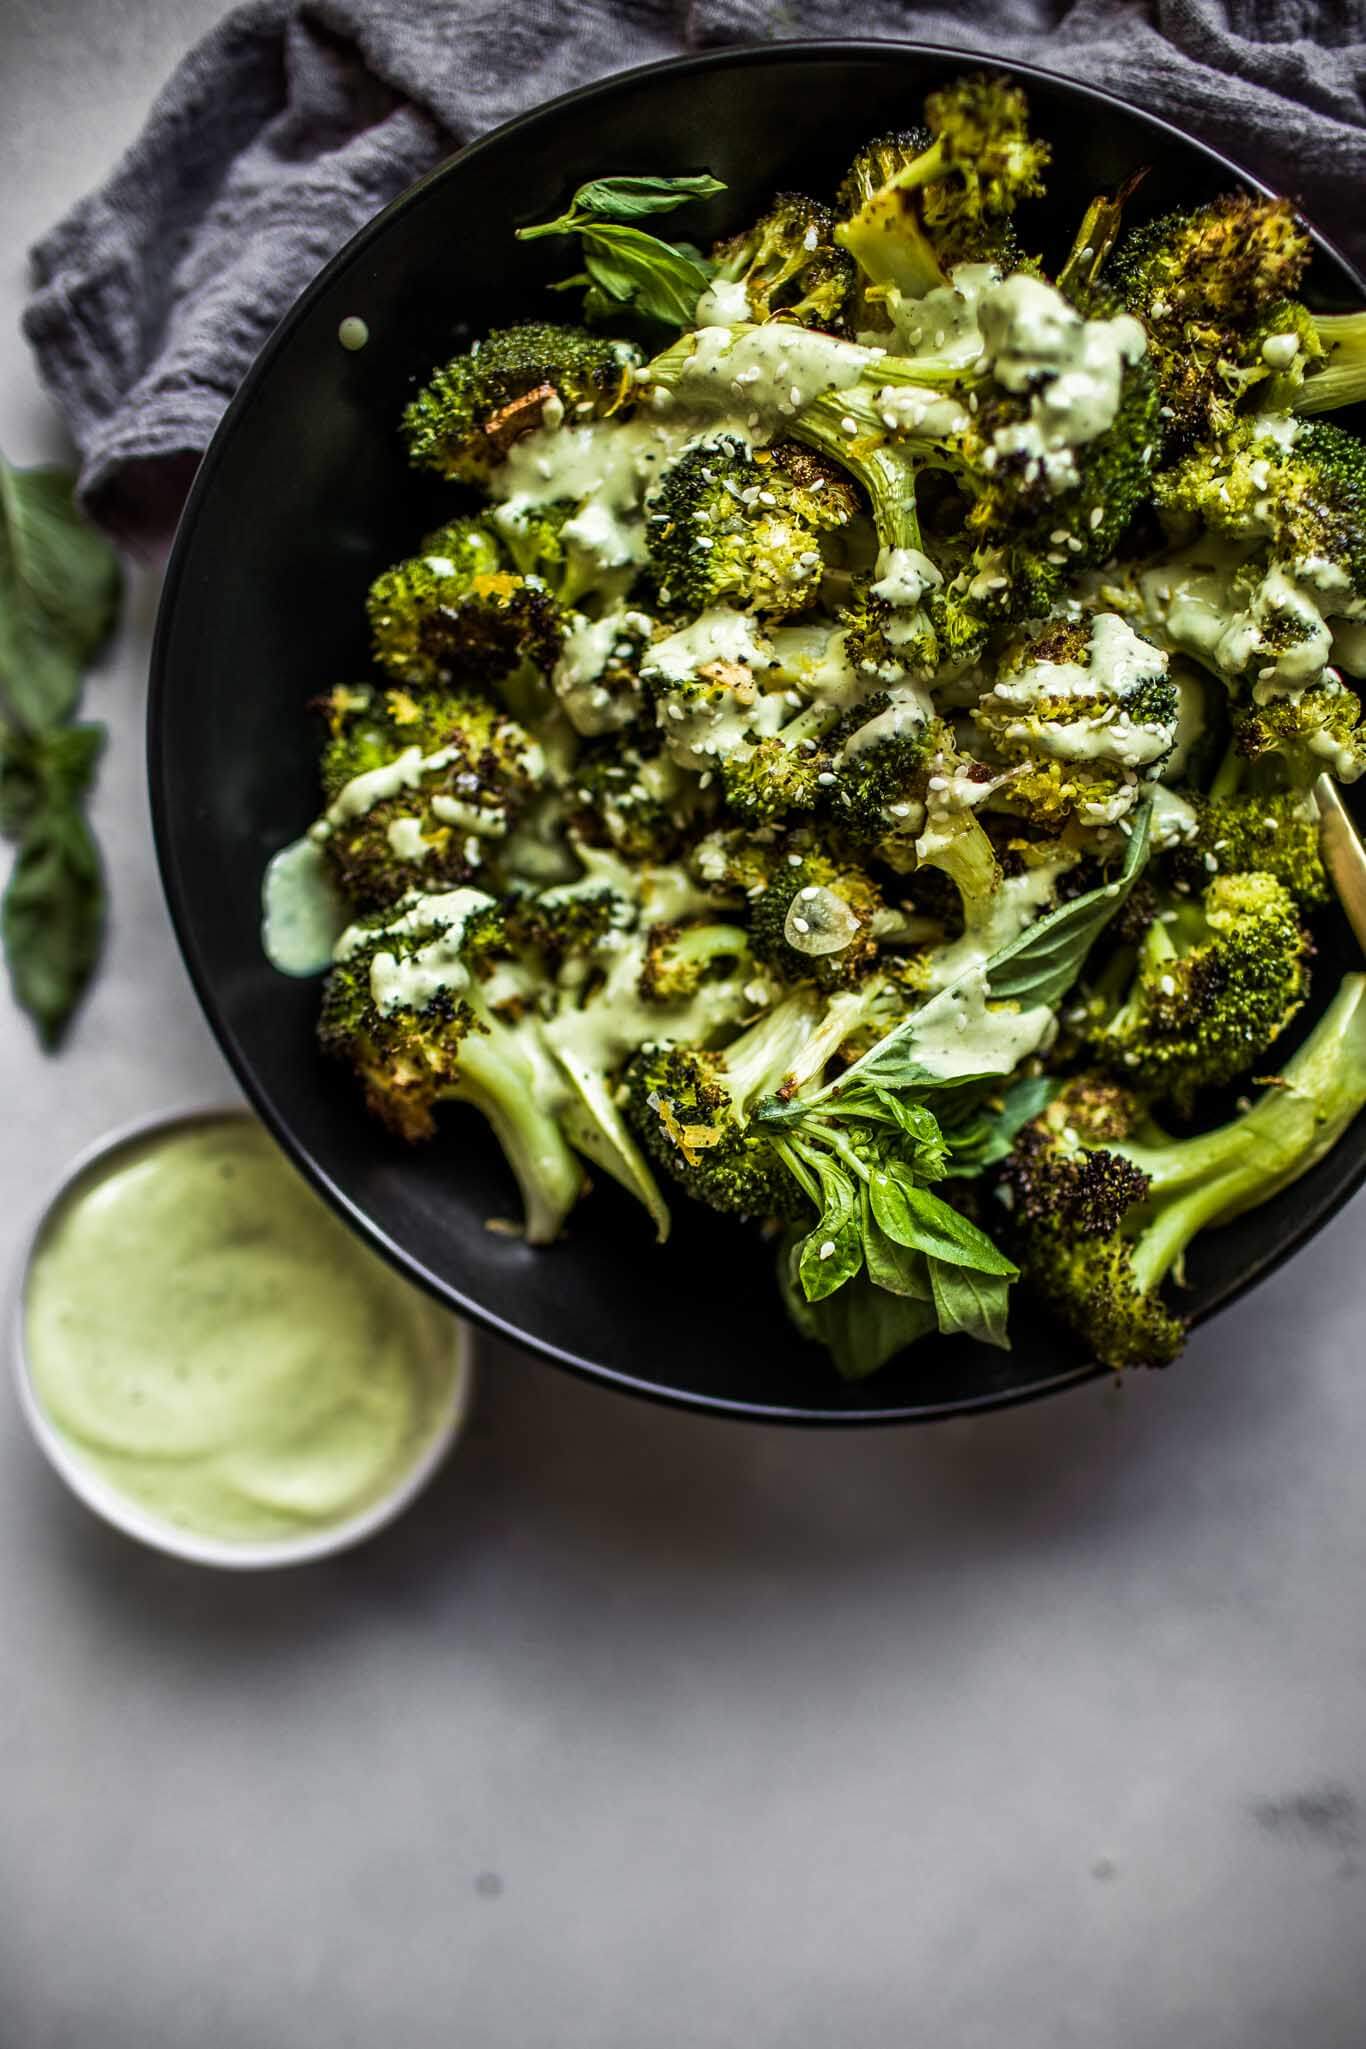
(304, 496)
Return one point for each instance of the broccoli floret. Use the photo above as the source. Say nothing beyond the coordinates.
(1274, 832)
(693, 1108)
(1311, 731)
(1046, 490)
(1199, 281)
(679, 1100)
(950, 201)
(678, 958)
(1079, 713)
(816, 921)
(733, 527)
(406, 1009)
(1301, 488)
(597, 677)
(1096, 1243)
(465, 419)
(768, 778)
(1214, 985)
(789, 264)
(535, 537)
(632, 798)
(438, 618)
(420, 788)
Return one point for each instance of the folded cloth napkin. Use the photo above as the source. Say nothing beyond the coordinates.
(295, 120)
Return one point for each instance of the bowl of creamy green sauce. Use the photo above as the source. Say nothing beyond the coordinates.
(215, 1364)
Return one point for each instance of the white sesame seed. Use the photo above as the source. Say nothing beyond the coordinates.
(827, 1250)
(800, 925)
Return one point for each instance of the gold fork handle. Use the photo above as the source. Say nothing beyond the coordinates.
(1343, 855)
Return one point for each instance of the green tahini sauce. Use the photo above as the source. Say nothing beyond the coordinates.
(215, 1344)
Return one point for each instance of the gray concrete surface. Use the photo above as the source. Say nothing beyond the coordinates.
(645, 1731)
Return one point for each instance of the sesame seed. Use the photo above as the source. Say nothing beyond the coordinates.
(1095, 516)
(826, 1250)
(849, 424)
(807, 895)
(800, 925)
(825, 778)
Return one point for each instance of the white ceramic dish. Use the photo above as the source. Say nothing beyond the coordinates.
(127, 1515)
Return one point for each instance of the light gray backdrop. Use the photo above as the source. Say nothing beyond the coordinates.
(645, 1731)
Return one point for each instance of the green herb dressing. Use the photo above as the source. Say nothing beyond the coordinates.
(302, 913)
(218, 1348)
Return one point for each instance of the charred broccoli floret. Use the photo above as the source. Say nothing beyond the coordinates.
(1215, 983)
(1103, 1218)
(1273, 832)
(1200, 281)
(1299, 487)
(406, 1009)
(916, 208)
(789, 264)
(465, 419)
(438, 618)
(1304, 734)
(1080, 714)
(731, 526)
(420, 787)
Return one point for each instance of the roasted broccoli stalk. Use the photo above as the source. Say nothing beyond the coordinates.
(420, 787)
(1215, 984)
(465, 419)
(407, 1009)
(1100, 1218)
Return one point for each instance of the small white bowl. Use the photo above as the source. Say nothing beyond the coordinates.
(124, 1514)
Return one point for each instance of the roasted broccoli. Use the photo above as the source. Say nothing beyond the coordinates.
(1099, 1219)
(420, 788)
(1215, 984)
(788, 265)
(918, 203)
(464, 421)
(799, 758)
(1081, 715)
(407, 1009)
(731, 526)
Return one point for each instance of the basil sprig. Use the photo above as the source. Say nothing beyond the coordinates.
(624, 265)
(59, 597)
(889, 1259)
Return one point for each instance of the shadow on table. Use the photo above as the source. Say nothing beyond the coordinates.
(574, 1486)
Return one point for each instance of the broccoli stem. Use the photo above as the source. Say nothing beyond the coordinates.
(1201, 1182)
(1342, 380)
(546, 1171)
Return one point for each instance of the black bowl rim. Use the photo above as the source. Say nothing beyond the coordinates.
(802, 50)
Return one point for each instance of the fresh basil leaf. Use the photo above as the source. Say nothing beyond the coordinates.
(52, 916)
(863, 1327)
(915, 1217)
(641, 271)
(629, 199)
(1043, 963)
(831, 1254)
(988, 1137)
(59, 594)
(897, 1268)
(971, 1304)
(623, 199)
(1033, 972)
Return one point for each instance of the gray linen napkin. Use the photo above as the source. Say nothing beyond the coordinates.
(292, 123)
